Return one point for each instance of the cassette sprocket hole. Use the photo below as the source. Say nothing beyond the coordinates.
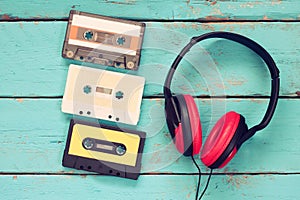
(88, 35)
(120, 40)
(119, 95)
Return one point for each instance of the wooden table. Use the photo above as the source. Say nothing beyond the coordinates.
(33, 129)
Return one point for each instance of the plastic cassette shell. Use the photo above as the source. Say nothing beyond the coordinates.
(96, 163)
(103, 94)
(103, 40)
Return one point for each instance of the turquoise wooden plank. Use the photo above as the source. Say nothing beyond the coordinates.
(267, 187)
(36, 143)
(138, 9)
(32, 63)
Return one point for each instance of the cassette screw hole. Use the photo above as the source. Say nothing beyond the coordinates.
(89, 167)
(88, 112)
(117, 119)
(120, 40)
(110, 171)
(118, 174)
(130, 65)
(81, 167)
(119, 94)
(88, 35)
(80, 112)
(109, 116)
(89, 58)
(70, 54)
(81, 57)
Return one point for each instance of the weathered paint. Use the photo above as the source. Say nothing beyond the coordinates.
(157, 10)
(175, 187)
(33, 130)
(36, 143)
(33, 66)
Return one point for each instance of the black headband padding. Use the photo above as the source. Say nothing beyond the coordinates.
(259, 50)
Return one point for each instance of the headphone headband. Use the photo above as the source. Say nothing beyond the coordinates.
(259, 50)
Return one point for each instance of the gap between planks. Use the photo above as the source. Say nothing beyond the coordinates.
(150, 174)
(162, 97)
(162, 20)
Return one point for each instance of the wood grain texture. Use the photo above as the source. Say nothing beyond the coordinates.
(266, 187)
(33, 134)
(32, 65)
(155, 10)
(33, 130)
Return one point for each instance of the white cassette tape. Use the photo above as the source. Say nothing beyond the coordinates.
(103, 94)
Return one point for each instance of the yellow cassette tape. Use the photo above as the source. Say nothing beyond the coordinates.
(104, 149)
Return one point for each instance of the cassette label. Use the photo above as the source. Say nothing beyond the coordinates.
(104, 149)
(103, 40)
(92, 142)
(103, 94)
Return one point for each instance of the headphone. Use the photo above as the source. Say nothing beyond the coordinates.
(231, 130)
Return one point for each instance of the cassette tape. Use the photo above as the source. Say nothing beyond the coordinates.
(104, 149)
(103, 40)
(103, 94)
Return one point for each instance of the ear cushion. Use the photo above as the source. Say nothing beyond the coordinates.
(195, 123)
(221, 144)
(188, 134)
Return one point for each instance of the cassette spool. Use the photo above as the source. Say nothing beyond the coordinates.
(104, 149)
(103, 94)
(103, 40)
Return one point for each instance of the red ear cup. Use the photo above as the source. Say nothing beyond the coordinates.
(221, 144)
(195, 123)
(188, 134)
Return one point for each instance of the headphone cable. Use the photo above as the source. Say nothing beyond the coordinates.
(199, 180)
(199, 176)
(207, 183)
